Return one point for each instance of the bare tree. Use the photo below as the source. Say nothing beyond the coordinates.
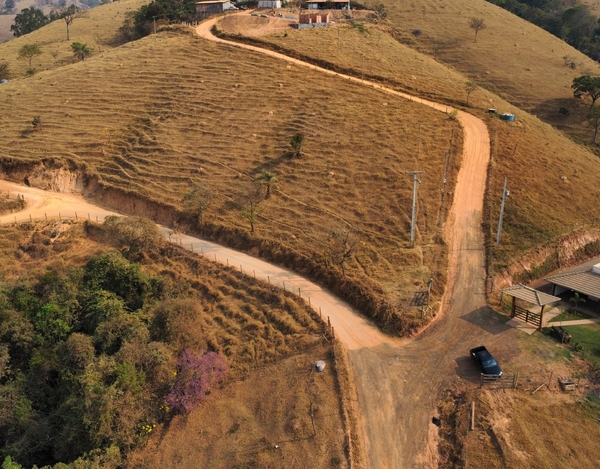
(250, 199)
(340, 245)
(70, 14)
(437, 47)
(198, 200)
(470, 86)
(477, 24)
(595, 120)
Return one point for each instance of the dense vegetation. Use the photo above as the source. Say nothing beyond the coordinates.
(574, 24)
(94, 355)
(140, 24)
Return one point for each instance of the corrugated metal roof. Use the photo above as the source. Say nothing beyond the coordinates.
(530, 295)
(587, 282)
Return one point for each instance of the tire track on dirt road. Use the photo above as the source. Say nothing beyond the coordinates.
(398, 382)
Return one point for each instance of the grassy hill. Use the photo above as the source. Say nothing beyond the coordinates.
(98, 29)
(552, 179)
(154, 120)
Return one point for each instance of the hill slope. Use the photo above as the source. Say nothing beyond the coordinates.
(552, 180)
(98, 29)
(152, 121)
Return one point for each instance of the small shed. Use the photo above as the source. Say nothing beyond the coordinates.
(213, 7)
(269, 3)
(532, 296)
(312, 18)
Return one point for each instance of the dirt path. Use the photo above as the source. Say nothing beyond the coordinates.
(398, 383)
(397, 380)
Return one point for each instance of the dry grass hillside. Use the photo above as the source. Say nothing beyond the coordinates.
(552, 180)
(515, 59)
(155, 120)
(98, 29)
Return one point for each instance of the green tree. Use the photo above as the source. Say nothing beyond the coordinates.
(81, 51)
(29, 51)
(586, 84)
(477, 24)
(267, 179)
(9, 4)
(28, 20)
(198, 200)
(8, 463)
(296, 143)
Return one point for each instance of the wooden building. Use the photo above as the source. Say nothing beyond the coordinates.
(213, 7)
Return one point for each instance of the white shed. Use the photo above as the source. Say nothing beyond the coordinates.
(269, 3)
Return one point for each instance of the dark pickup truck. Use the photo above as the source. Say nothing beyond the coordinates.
(486, 362)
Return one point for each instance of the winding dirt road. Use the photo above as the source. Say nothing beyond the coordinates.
(398, 381)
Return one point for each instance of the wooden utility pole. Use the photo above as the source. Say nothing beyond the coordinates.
(414, 204)
(505, 192)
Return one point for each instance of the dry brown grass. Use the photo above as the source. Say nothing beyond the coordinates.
(542, 206)
(153, 121)
(98, 30)
(263, 420)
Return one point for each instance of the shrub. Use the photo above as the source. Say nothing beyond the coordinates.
(196, 374)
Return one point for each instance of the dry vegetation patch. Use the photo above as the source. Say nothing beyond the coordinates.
(154, 121)
(261, 420)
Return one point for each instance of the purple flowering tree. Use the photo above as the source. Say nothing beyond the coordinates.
(196, 374)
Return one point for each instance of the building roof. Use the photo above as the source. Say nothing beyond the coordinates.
(212, 1)
(530, 295)
(325, 1)
(587, 282)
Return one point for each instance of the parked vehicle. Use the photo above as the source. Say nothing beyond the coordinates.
(486, 362)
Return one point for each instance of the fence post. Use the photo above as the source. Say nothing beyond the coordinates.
(89, 218)
(76, 216)
(515, 380)
(30, 219)
(241, 269)
(283, 286)
(481, 382)
(46, 216)
(472, 415)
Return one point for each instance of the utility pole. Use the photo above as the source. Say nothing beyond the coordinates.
(154, 19)
(505, 192)
(414, 204)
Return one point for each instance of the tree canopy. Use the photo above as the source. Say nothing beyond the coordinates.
(586, 84)
(28, 21)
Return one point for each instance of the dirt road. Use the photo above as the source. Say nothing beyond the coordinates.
(398, 383)
(397, 380)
